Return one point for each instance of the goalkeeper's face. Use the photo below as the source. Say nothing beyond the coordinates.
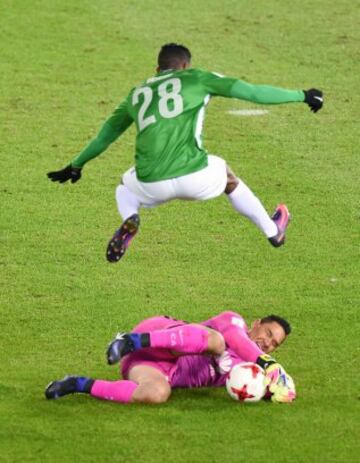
(268, 335)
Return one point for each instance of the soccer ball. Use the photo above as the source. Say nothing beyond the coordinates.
(246, 382)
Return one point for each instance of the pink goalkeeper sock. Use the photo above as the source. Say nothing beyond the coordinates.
(189, 339)
(118, 391)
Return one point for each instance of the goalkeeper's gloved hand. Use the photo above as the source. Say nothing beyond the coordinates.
(314, 98)
(279, 384)
(68, 173)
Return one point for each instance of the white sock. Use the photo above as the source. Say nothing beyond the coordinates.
(245, 202)
(128, 204)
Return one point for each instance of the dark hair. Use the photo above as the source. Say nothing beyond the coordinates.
(281, 321)
(172, 55)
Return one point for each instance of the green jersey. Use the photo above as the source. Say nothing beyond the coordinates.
(168, 110)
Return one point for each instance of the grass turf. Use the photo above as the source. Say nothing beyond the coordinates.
(65, 66)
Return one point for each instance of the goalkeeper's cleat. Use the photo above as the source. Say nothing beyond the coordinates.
(122, 238)
(124, 344)
(281, 219)
(62, 387)
(68, 385)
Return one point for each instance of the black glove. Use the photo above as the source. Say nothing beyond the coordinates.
(265, 361)
(69, 173)
(314, 98)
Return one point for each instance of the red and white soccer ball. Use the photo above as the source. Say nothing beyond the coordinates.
(246, 382)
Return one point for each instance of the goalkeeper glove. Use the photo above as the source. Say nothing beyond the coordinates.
(68, 173)
(314, 98)
(279, 384)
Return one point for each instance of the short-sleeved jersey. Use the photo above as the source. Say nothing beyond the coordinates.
(168, 111)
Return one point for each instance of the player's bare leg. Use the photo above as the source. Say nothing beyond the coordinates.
(247, 204)
(153, 387)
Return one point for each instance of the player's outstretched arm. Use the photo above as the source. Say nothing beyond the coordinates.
(97, 146)
(219, 85)
(117, 123)
(266, 94)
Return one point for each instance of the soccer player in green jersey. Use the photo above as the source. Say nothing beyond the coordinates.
(170, 161)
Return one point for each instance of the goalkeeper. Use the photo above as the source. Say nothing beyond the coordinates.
(162, 354)
(170, 161)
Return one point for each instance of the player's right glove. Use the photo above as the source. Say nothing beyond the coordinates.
(314, 98)
(68, 173)
(279, 384)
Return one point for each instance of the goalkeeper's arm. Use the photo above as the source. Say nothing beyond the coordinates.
(280, 385)
(233, 329)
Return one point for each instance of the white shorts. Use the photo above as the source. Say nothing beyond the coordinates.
(206, 183)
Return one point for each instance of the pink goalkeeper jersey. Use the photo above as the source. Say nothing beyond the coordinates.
(209, 370)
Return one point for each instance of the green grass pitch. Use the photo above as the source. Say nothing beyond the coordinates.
(64, 66)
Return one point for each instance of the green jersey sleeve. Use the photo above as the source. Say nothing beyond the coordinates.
(218, 85)
(265, 94)
(114, 126)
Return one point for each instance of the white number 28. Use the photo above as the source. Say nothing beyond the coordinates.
(168, 91)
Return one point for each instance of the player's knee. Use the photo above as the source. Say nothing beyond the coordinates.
(232, 181)
(161, 394)
(216, 343)
(153, 393)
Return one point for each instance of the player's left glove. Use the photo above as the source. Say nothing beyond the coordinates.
(63, 175)
(279, 384)
(314, 98)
